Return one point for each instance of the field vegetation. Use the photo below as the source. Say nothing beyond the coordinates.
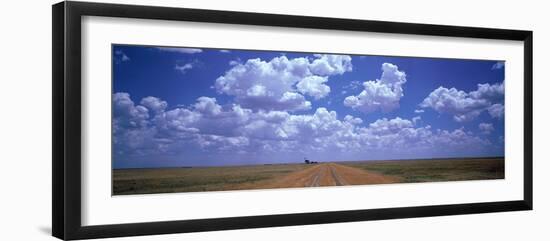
(165, 180)
(197, 179)
(437, 170)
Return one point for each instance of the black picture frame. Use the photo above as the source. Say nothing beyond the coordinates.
(66, 169)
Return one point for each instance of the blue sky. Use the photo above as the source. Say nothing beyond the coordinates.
(209, 107)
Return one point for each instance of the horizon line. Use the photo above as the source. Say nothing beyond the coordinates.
(283, 163)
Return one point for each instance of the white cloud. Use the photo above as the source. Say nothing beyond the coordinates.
(381, 94)
(259, 84)
(208, 106)
(281, 83)
(235, 61)
(153, 103)
(498, 65)
(352, 120)
(221, 143)
(256, 90)
(183, 68)
(206, 116)
(127, 114)
(225, 51)
(330, 64)
(404, 136)
(486, 128)
(322, 123)
(213, 128)
(180, 50)
(177, 123)
(496, 111)
(418, 111)
(492, 93)
(456, 102)
(131, 132)
(385, 126)
(464, 106)
(121, 56)
(314, 86)
(353, 85)
(458, 139)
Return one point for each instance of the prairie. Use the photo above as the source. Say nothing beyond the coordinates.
(194, 179)
(198, 179)
(437, 170)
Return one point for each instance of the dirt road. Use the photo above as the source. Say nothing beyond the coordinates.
(330, 174)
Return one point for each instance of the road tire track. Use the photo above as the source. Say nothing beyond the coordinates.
(338, 180)
(315, 180)
(329, 174)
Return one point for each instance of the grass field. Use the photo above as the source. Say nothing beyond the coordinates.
(164, 180)
(436, 170)
(196, 179)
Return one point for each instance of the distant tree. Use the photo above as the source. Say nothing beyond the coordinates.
(306, 160)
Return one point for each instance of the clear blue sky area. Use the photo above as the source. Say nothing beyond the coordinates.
(211, 107)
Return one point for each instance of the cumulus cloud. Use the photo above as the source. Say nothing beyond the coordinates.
(126, 113)
(491, 93)
(381, 94)
(221, 143)
(385, 126)
(131, 132)
(496, 111)
(456, 102)
(208, 106)
(458, 139)
(405, 136)
(263, 85)
(352, 120)
(418, 111)
(462, 105)
(211, 127)
(330, 64)
(180, 50)
(236, 61)
(281, 83)
(486, 128)
(314, 86)
(153, 103)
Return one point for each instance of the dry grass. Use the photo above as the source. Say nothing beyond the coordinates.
(165, 180)
(437, 170)
(196, 179)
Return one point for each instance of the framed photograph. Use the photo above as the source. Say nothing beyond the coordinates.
(171, 120)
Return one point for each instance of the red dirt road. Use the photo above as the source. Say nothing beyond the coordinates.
(330, 174)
